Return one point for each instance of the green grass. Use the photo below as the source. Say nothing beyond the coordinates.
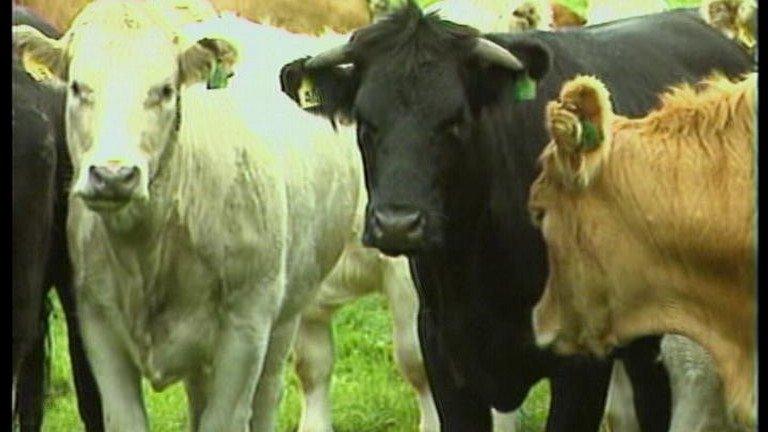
(367, 391)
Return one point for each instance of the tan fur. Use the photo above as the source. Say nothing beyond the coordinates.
(311, 17)
(582, 98)
(663, 238)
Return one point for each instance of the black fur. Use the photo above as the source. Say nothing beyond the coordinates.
(443, 133)
(41, 174)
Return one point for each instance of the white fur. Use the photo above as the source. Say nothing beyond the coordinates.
(697, 392)
(204, 281)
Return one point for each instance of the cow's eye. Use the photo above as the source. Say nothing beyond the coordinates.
(537, 216)
(365, 132)
(160, 95)
(453, 126)
(80, 92)
(166, 92)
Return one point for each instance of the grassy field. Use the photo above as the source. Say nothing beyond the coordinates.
(367, 391)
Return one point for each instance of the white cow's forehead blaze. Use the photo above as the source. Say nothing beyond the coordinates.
(111, 38)
(135, 59)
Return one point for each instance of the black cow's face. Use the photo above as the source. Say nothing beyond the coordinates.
(415, 88)
(411, 129)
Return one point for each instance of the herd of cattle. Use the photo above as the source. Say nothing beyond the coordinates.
(203, 192)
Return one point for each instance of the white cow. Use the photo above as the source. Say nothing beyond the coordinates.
(201, 222)
(361, 271)
(697, 392)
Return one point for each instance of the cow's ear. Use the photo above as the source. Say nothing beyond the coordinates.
(328, 92)
(492, 80)
(209, 60)
(43, 58)
(579, 124)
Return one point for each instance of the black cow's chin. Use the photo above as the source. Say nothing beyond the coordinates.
(396, 247)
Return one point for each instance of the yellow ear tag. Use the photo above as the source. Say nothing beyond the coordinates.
(37, 70)
(309, 97)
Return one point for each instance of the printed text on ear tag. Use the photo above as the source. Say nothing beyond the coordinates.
(309, 97)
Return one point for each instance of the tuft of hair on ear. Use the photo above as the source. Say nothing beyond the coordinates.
(579, 125)
(589, 99)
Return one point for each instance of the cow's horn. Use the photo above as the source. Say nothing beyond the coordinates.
(495, 54)
(332, 57)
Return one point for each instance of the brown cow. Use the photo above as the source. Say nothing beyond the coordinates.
(650, 225)
(298, 16)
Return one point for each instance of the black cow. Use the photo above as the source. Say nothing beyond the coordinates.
(40, 259)
(450, 130)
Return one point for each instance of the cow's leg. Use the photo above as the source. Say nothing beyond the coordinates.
(313, 352)
(31, 383)
(650, 382)
(237, 363)
(404, 306)
(578, 388)
(88, 398)
(505, 422)
(118, 379)
(620, 407)
(196, 388)
(266, 400)
(458, 409)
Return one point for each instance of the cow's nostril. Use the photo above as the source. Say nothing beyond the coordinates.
(128, 174)
(95, 175)
(398, 223)
(113, 181)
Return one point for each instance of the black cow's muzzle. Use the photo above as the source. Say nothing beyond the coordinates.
(395, 231)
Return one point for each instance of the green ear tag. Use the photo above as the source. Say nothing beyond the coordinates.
(219, 77)
(525, 88)
(591, 136)
(309, 96)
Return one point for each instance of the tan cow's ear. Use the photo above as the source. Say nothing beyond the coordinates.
(205, 58)
(43, 58)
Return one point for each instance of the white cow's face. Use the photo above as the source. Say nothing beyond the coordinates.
(123, 100)
(122, 116)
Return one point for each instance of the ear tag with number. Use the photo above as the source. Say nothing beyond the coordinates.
(219, 77)
(525, 88)
(309, 96)
(35, 69)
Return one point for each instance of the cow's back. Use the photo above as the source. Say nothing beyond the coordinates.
(507, 268)
(637, 58)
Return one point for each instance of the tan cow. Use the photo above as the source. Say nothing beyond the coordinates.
(650, 225)
(299, 16)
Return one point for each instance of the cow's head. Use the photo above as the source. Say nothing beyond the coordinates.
(574, 314)
(415, 85)
(124, 75)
